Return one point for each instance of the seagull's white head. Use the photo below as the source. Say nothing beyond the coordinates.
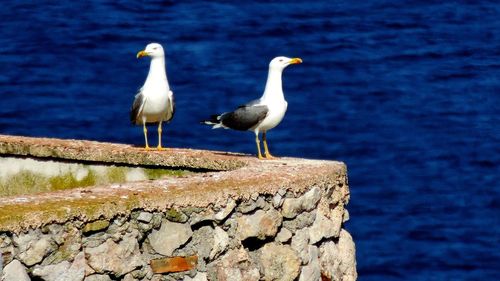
(153, 50)
(280, 63)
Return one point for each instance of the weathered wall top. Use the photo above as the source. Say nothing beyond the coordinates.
(231, 176)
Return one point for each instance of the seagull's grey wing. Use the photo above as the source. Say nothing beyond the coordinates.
(251, 103)
(245, 116)
(171, 109)
(137, 107)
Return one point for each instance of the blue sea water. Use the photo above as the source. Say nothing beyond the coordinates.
(405, 92)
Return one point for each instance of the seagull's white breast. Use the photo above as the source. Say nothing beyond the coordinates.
(157, 96)
(277, 110)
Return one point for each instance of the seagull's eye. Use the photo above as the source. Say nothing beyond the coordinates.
(281, 59)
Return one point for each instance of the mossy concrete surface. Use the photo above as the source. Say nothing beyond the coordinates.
(19, 176)
(91, 151)
(240, 177)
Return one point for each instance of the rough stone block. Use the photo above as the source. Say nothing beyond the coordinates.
(322, 228)
(120, 258)
(235, 265)
(261, 224)
(14, 271)
(169, 237)
(279, 262)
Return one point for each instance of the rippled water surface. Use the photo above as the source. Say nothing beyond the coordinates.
(406, 93)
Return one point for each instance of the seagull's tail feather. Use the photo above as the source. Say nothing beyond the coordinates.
(214, 121)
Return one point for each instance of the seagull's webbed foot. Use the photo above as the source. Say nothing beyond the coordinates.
(269, 156)
(147, 148)
(266, 149)
(161, 148)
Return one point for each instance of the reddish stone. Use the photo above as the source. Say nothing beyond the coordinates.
(173, 264)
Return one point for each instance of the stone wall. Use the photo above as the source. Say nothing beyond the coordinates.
(267, 220)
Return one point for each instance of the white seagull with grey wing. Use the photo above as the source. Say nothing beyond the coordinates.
(154, 104)
(262, 114)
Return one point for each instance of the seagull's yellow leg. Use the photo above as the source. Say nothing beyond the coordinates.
(257, 141)
(145, 130)
(159, 137)
(266, 150)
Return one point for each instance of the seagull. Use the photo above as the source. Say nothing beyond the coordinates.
(154, 103)
(262, 114)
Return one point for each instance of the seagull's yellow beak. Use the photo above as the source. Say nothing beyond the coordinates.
(296, 60)
(142, 54)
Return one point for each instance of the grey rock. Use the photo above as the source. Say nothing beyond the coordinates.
(70, 246)
(222, 214)
(156, 221)
(282, 192)
(329, 261)
(311, 271)
(51, 272)
(120, 258)
(261, 224)
(235, 265)
(338, 261)
(33, 247)
(7, 251)
(311, 198)
(63, 271)
(284, 235)
(145, 217)
(279, 262)
(169, 237)
(322, 228)
(206, 215)
(14, 271)
(200, 276)
(251, 205)
(261, 203)
(201, 243)
(140, 273)
(254, 196)
(56, 231)
(291, 207)
(347, 251)
(300, 243)
(277, 200)
(337, 216)
(118, 228)
(98, 277)
(95, 239)
(346, 217)
(221, 241)
(129, 277)
(307, 202)
(247, 206)
(301, 221)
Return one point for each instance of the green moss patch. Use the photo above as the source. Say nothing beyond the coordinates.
(31, 182)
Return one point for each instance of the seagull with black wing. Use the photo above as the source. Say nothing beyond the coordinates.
(260, 115)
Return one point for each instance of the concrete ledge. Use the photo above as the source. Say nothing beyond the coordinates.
(248, 177)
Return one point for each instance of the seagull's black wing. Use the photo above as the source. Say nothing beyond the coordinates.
(137, 107)
(245, 116)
